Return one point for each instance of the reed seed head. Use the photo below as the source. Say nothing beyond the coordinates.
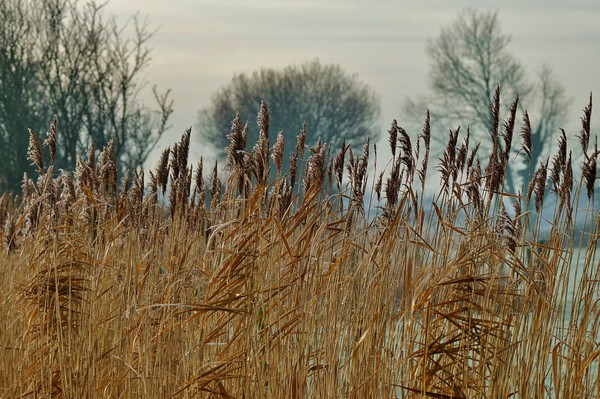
(34, 152)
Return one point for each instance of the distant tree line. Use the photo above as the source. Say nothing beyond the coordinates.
(59, 57)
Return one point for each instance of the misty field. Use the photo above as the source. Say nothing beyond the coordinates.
(336, 278)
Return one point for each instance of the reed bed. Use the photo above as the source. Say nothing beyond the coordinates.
(335, 278)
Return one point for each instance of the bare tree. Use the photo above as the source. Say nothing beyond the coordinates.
(335, 106)
(58, 57)
(468, 60)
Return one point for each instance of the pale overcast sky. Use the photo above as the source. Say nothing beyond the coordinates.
(201, 44)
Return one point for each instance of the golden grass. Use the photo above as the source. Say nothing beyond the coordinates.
(303, 285)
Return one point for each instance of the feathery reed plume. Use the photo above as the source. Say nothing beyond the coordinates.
(586, 119)
(526, 136)
(260, 158)
(315, 164)
(174, 162)
(199, 189)
(260, 151)
(301, 140)
(426, 136)
(567, 182)
(378, 185)
(351, 162)
(474, 184)
(173, 195)
(9, 234)
(562, 146)
(83, 176)
(34, 152)
(363, 164)
(263, 119)
(538, 185)
(508, 226)
(32, 213)
(108, 168)
(447, 164)
(43, 186)
(137, 192)
(184, 148)
(215, 187)
(589, 174)
(236, 155)
(365, 155)
(589, 170)
(461, 158)
(277, 155)
(509, 127)
(358, 178)
(392, 188)
(472, 156)
(51, 188)
(68, 193)
(50, 140)
(125, 185)
(338, 164)
(495, 170)
(496, 167)
(517, 220)
(406, 157)
(152, 195)
(135, 201)
(91, 157)
(293, 168)
(590, 161)
(26, 187)
(162, 170)
(58, 186)
(4, 201)
(236, 148)
(495, 113)
(329, 168)
(245, 135)
(284, 197)
(417, 150)
(558, 162)
(393, 137)
(185, 186)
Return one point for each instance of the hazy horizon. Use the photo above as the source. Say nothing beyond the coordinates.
(200, 45)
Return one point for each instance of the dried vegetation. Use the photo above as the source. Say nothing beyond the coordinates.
(334, 279)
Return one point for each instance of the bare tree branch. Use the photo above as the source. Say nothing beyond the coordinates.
(59, 57)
